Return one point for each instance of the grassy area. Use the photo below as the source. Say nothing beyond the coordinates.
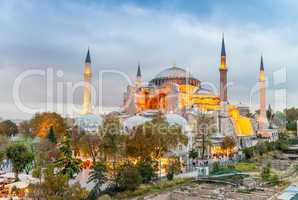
(146, 189)
(224, 170)
(246, 166)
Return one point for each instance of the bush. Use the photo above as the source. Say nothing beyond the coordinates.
(261, 148)
(147, 170)
(128, 177)
(274, 179)
(282, 145)
(173, 168)
(216, 167)
(249, 152)
(269, 146)
(104, 197)
(266, 172)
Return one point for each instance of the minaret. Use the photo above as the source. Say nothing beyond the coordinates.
(139, 77)
(223, 74)
(223, 90)
(87, 88)
(262, 94)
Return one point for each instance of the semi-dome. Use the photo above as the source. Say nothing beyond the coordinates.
(174, 75)
(204, 91)
(173, 119)
(134, 121)
(89, 122)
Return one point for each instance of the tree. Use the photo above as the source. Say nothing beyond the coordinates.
(98, 176)
(66, 163)
(112, 144)
(228, 144)
(266, 172)
(42, 122)
(174, 167)
(8, 128)
(52, 136)
(20, 157)
(147, 169)
(154, 139)
(77, 136)
(206, 126)
(193, 154)
(56, 187)
(46, 152)
(128, 177)
(4, 142)
(90, 145)
(291, 118)
(270, 116)
(25, 128)
(249, 152)
(37, 172)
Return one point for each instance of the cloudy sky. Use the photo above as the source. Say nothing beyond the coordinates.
(55, 35)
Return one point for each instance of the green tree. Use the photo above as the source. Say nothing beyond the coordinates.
(20, 157)
(8, 128)
(266, 172)
(193, 154)
(270, 116)
(249, 152)
(98, 175)
(67, 163)
(291, 118)
(147, 169)
(52, 135)
(37, 172)
(128, 177)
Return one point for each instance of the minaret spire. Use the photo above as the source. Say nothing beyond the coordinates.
(262, 70)
(262, 64)
(223, 64)
(223, 73)
(87, 85)
(88, 58)
(223, 48)
(139, 74)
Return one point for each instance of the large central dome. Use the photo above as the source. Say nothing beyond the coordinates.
(174, 75)
(173, 72)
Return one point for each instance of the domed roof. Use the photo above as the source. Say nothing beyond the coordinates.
(176, 119)
(134, 121)
(204, 91)
(89, 122)
(173, 72)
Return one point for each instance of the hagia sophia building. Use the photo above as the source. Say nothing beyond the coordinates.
(181, 97)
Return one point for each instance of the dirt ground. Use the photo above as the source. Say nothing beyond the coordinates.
(213, 191)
